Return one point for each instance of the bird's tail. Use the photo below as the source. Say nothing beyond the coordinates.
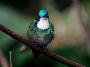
(35, 54)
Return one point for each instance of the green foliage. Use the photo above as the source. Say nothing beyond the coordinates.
(85, 2)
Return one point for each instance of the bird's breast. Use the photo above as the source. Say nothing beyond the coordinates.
(43, 24)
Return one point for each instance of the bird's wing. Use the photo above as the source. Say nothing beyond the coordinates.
(50, 35)
(52, 28)
(30, 32)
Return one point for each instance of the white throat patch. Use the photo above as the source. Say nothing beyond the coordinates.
(43, 23)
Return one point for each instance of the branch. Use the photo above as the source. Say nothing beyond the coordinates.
(45, 52)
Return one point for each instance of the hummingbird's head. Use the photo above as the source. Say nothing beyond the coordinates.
(43, 13)
(43, 22)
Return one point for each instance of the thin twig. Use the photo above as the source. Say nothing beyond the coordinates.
(45, 52)
(10, 58)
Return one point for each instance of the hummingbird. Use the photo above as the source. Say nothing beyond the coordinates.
(40, 31)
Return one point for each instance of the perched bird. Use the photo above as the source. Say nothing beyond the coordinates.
(40, 31)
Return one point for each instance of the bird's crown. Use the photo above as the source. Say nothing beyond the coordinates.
(43, 13)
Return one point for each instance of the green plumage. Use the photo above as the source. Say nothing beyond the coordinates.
(44, 36)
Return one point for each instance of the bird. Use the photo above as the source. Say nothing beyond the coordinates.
(40, 31)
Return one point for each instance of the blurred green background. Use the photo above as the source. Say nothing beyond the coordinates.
(71, 40)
